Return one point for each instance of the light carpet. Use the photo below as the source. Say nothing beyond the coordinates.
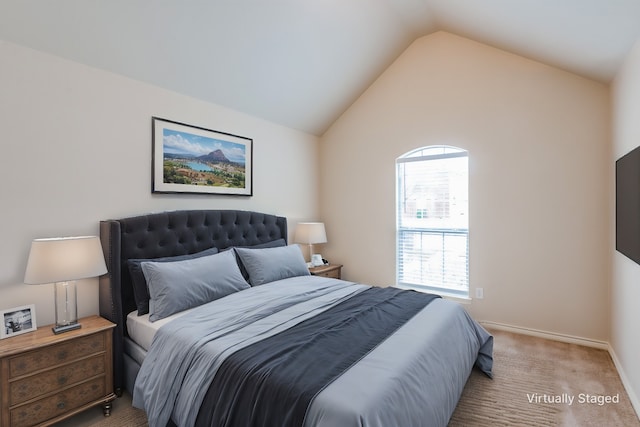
(537, 382)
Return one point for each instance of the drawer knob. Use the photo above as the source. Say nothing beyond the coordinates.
(62, 380)
(60, 405)
(62, 355)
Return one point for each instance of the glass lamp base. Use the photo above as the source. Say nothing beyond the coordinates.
(58, 329)
(66, 307)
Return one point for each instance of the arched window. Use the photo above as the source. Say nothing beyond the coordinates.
(433, 220)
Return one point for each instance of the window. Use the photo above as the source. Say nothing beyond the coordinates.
(433, 220)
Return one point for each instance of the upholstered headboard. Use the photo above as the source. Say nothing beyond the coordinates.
(169, 234)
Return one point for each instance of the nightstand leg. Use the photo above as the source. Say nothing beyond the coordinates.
(106, 409)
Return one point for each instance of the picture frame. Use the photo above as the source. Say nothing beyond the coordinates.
(193, 159)
(18, 320)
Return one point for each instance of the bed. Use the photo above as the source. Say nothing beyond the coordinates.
(239, 352)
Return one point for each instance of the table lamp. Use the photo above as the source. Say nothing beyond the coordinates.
(63, 260)
(310, 233)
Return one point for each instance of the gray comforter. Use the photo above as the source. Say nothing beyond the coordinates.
(414, 378)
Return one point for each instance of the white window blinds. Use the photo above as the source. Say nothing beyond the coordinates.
(433, 220)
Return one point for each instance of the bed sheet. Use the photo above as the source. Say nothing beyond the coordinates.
(415, 377)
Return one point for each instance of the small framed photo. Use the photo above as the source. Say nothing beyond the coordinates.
(18, 320)
(192, 159)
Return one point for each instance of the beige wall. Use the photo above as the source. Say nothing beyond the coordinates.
(76, 148)
(625, 288)
(539, 143)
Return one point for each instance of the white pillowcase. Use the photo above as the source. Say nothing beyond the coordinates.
(177, 286)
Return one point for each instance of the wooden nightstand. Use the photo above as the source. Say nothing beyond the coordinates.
(45, 378)
(329, 270)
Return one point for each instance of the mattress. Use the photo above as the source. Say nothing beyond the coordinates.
(141, 330)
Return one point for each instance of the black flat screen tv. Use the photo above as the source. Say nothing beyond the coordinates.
(628, 205)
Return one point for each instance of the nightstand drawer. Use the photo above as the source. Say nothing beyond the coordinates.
(53, 406)
(331, 273)
(55, 355)
(330, 270)
(40, 384)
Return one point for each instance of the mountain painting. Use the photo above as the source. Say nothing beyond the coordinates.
(201, 160)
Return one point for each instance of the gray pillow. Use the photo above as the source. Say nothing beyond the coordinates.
(140, 288)
(270, 244)
(267, 265)
(177, 286)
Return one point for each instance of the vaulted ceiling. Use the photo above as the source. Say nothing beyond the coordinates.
(301, 63)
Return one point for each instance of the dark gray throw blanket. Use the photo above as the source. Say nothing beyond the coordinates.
(272, 382)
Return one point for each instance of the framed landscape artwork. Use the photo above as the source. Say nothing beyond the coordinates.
(192, 159)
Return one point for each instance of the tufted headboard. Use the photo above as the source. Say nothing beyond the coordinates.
(169, 234)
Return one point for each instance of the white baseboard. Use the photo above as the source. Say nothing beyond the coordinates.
(635, 402)
(548, 335)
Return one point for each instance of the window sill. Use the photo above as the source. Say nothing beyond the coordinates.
(457, 298)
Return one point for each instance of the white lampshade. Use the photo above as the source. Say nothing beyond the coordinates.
(62, 261)
(310, 233)
(64, 258)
